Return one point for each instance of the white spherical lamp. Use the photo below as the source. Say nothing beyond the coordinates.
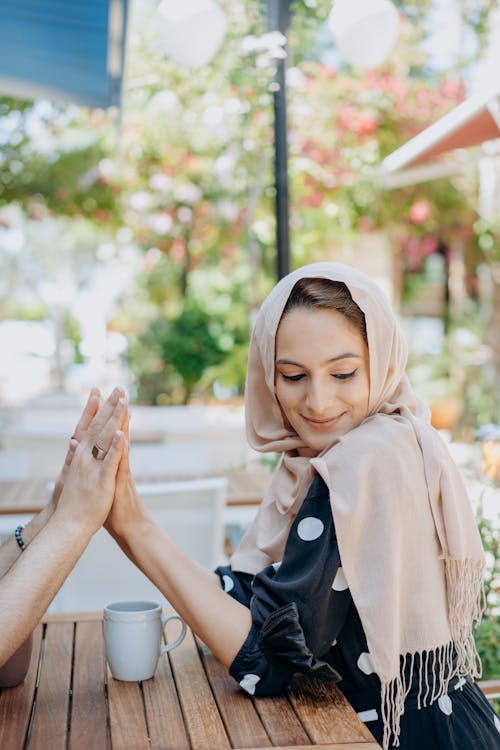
(191, 31)
(364, 31)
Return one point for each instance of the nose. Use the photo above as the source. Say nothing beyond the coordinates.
(319, 397)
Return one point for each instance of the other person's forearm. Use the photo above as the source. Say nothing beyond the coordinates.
(10, 550)
(87, 487)
(29, 586)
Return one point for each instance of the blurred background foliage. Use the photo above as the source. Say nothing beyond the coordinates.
(183, 178)
(487, 635)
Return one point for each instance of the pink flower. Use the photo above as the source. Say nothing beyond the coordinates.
(317, 155)
(313, 199)
(420, 212)
(429, 245)
(365, 224)
(453, 88)
(413, 254)
(346, 117)
(366, 124)
(178, 250)
(62, 194)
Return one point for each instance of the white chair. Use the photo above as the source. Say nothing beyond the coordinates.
(151, 460)
(45, 450)
(14, 465)
(192, 513)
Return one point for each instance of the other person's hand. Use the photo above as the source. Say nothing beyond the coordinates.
(89, 412)
(89, 485)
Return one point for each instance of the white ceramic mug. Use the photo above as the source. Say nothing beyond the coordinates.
(133, 638)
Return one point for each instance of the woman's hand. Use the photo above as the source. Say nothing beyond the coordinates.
(89, 485)
(127, 507)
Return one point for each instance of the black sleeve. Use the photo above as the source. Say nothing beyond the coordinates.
(236, 584)
(297, 610)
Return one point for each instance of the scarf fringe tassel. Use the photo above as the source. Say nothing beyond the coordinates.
(435, 669)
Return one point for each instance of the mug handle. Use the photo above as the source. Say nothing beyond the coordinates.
(178, 641)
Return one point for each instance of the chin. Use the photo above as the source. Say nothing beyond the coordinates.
(332, 439)
(315, 448)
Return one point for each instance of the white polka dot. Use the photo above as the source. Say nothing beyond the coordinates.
(249, 682)
(228, 583)
(497, 721)
(365, 663)
(460, 683)
(339, 582)
(277, 565)
(445, 704)
(370, 715)
(310, 528)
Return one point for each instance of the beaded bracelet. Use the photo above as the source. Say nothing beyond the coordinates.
(19, 539)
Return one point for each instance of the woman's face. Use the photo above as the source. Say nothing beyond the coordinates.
(322, 378)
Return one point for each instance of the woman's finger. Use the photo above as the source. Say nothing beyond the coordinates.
(125, 459)
(104, 413)
(112, 457)
(126, 428)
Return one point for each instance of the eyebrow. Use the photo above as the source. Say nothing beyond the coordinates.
(345, 355)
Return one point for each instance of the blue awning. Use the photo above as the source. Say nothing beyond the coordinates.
(72, 50)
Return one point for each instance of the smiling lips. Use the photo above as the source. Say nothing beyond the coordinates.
(323, 424)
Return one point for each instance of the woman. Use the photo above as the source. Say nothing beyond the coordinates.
(364, 563)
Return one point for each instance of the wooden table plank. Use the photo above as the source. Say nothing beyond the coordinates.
(245, 487)
(329, 746)
(72, 616)
(23, 496)
(163, 712)
(326, 714)
(50, 720)
(241, 720)
(16, 703)
(126, 715)
(89, 696)
(280, 721)
(203, 721)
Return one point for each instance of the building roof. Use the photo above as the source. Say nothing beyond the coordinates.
(471, 123)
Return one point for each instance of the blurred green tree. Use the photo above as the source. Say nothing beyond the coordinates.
(187, 169)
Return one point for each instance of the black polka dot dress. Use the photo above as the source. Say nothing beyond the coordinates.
(304, 621)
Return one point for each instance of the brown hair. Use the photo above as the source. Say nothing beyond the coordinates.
(317, 293)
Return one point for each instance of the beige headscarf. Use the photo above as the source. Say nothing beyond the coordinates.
(408, 541)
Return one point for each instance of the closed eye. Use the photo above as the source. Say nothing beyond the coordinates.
(345, 375)
(292, 378)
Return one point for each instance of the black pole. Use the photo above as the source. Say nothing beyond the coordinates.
(278, 19)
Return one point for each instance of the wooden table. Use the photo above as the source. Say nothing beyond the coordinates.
(69, 701)
(23, 495)
(245, 487)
